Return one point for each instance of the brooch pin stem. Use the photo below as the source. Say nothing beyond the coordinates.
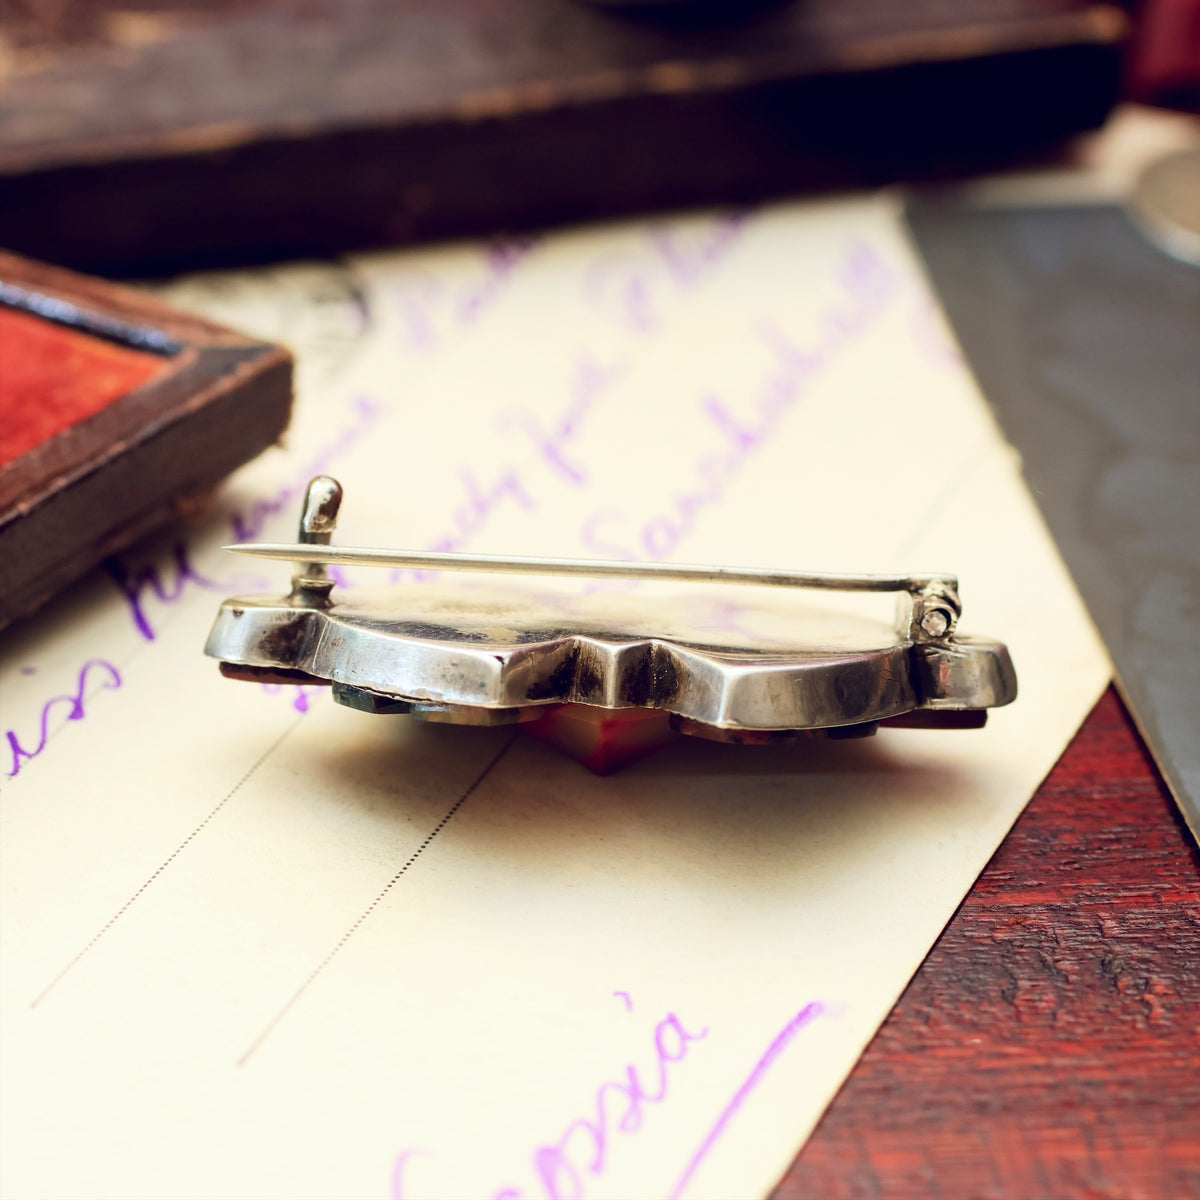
(312, 583)
(931, 610)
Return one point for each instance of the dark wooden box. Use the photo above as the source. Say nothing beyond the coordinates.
(117, 414)
(142, 135)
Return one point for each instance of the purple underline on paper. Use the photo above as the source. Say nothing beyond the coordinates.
(619, 1106)
(560, 1165)
(805, 1016)
(623, 1105)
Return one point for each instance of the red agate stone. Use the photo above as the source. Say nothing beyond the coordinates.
(603, 739)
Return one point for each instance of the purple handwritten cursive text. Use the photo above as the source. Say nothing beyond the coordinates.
(301, 695)
(480, 501)
(500, 260)
(585, 1143)
(868, 285)
(248, 524)
(636, 286)
(563, 1167)
(97, 674)
(589, 382)
(167, 586)
(619, 1105)
(429, 309)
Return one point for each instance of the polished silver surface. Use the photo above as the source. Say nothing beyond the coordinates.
(460, 649)
(312, 583)
(592, 568)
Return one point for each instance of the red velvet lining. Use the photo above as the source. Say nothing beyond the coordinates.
(52, 377)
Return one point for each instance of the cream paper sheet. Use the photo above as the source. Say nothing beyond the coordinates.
(259, 946)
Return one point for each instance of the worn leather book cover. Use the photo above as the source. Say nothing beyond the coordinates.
(142, 135)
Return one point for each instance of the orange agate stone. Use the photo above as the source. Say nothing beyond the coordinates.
(603, 739)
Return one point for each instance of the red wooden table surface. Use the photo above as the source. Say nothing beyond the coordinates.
(1050, 1044)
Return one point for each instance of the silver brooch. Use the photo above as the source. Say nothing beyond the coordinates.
(680, 646)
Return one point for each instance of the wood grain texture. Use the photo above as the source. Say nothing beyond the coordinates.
(148, 134)
(104, 78)
(1050, 1044)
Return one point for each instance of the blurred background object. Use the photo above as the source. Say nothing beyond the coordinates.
(146, 135)
(1083, 333)
(1166, 204)
(1164, 55)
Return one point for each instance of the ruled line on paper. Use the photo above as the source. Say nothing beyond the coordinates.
(87, 948)
(274, 1022)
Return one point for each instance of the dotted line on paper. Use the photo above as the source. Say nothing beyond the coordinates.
(161, 868)
(271, 1025)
